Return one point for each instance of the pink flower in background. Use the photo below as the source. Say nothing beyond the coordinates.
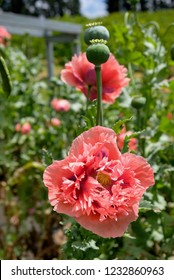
(18, 127)
(170, 116)
(97, 185)
(55, 122)
(26, 127)
(4, 36)
(80, 73)
(60, 104)
(120, 140)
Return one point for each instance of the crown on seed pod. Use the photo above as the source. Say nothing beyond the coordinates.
(96, 32)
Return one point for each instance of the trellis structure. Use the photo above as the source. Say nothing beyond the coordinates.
(52, 31)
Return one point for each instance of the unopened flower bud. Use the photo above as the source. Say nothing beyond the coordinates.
(138, 102)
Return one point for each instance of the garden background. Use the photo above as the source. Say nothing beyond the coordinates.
(29, 228)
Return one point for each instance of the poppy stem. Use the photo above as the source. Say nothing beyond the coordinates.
(99, 119)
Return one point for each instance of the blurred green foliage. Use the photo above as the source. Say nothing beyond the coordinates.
(62, 54)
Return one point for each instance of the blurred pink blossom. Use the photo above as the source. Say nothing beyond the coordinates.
(170, 116)
(133, 142)
(18, 127)
(80, 73)
(60, 104)
(4, 36)
(26, 127)
(55, 122)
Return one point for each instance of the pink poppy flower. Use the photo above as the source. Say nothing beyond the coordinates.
(60, 104)
(4, 36)
(26, 128)
(80, 73)
(55, 122)
(97, 185)
(132, 142)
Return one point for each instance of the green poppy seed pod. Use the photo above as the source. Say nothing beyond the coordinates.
(96, 32)
(172, 52)
(138, 102)
(97, 53)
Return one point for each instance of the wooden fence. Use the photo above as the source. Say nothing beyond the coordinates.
(51, 30)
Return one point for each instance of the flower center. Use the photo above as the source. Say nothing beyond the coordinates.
(103, 178)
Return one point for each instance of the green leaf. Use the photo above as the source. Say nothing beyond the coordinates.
(135, 134)
(127, 235)
(119, 125)
(145, 205)
(127, 139)
(47, 157)
(6, 80)
(83, 246)
(161, 203)
(91, 112)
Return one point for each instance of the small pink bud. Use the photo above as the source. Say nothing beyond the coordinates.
(18, 127)
(60, 104)
(26, 128)
(55, 122)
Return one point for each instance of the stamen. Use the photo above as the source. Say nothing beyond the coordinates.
(104, 179)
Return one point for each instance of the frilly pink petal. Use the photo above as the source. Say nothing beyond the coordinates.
(53, 174)
(97, 134)
(68, 77)
(80, 73)
(108, 228)
(143, 170)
